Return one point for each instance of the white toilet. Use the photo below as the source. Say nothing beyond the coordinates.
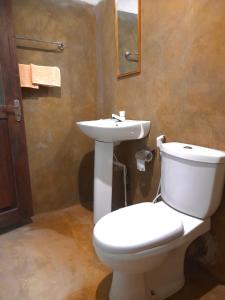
(145, 244)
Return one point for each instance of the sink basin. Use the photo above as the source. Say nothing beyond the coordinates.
(110, 130)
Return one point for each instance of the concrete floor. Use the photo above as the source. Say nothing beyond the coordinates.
(53, 259)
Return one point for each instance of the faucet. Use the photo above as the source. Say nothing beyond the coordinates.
(120, 117)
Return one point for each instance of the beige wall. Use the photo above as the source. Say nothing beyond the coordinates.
(58, 151)
(181, 88)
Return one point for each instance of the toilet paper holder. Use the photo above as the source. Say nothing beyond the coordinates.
(143, 156)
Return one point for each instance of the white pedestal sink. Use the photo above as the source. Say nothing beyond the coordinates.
(106, 132)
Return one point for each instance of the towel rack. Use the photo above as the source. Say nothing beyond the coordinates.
(131, 56)
(60, 45)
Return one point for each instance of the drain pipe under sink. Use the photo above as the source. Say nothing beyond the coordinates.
(117, 163)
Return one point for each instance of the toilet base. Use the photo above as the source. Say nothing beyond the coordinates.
(157, 284)
(172, 288)
(128, 287)
(169, 277)
(134, 286)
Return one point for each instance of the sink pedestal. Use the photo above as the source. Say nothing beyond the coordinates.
(106, 132)
(103, 172)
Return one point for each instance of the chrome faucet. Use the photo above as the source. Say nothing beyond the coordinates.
(120, 117)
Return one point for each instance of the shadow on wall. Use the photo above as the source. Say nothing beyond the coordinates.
(139, 183)
(86, 184)
(103, 289)
(144, 179)
(217, 228)
(86, 181)
(198, 283)
(42, 92)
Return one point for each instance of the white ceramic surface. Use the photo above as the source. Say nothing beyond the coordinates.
(150, 268)
(103, 176)
(110, 130)
(192, 180)
(193, 152)
(137, 228)
(106, 132)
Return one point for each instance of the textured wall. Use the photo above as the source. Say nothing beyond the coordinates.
(181, 88)
(59, 155)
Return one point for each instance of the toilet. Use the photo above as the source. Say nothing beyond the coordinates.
(145, 244)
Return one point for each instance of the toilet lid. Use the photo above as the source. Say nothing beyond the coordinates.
(137, 228)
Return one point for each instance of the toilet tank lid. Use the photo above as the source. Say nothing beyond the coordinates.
(193, 152)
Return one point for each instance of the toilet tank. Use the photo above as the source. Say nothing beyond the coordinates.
(192, 178)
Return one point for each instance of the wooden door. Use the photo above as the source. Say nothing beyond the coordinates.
(15, 192)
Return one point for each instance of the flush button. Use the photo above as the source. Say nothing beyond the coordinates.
(188, 147)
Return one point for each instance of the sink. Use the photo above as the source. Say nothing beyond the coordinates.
(110, 130)
(107, 133)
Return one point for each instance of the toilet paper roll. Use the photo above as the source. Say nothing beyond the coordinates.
(143, 156)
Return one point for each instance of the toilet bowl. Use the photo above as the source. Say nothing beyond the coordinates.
(137, 243)
(145, 244)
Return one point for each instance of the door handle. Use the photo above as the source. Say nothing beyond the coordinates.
(15, 108)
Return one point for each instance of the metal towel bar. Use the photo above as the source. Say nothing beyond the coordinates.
(60, 45)
(131, 56)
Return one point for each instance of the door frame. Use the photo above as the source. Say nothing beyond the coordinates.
(23, 209)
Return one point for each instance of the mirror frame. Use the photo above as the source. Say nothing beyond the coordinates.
(132, 73)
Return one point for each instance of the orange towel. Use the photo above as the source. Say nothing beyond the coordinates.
(25, 77)
(43, 75)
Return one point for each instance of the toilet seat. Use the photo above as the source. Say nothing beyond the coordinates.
(137, 228)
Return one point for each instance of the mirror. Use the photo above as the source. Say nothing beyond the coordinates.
(128, 37)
